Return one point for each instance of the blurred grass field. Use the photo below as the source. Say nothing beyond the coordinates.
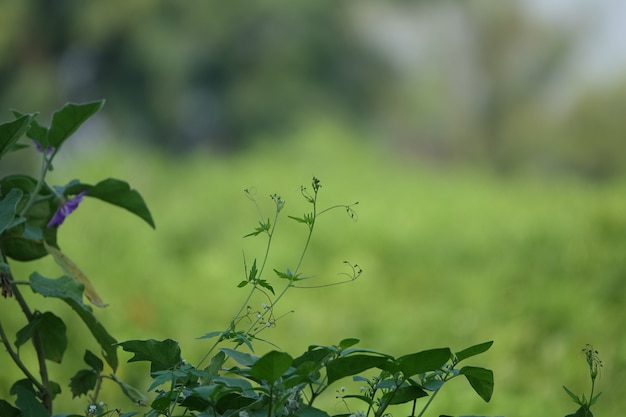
(451, 257)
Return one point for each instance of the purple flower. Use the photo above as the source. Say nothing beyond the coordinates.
(48, 150)
(65, 209)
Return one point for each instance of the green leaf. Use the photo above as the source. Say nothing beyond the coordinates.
(131, 392)
(22, 240)
(118, 193)
(253, 271)
(64, 287)
(7, 410)
(308, 411)
(216, 363)
(93, 361)
(11, 132)
(242, 358)
(352, 365)
(162, 355)
(263, 227)
(473, 351)
(573, 396)
(403, 395)
(71, 291)
(480, 379)
(346, 343)
(68, 119)
(84, 381)
(28, 404)
(424, 361)
(271, 366)
(52, 332)
(8, 208)
(263, 283)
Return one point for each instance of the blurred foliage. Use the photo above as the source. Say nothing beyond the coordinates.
(443, 81)
(450, 256)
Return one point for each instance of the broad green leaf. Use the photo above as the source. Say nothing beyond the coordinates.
(216, 363)
(8, 208)
(22, 241)
(71, 292)
(93, 361)
(63, 287)
(351, 365)
(162, 355)
(346, 343)
(473, 350)
(242, 358)
(54, 338)
(52, 332)
(312, 355)
(480, 379)
(308, 411)
(403, 395)
(84, 381)
(35, 131)
(131, 392)
(424, 361)
(118, 193)
(271, 366)
(70, 268)
(68, 119)
(7, 410)
(11, 132)
(28, 404)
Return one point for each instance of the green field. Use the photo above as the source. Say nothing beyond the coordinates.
(451, 257)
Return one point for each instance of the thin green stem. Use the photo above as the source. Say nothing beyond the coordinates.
(17, 360)
(45, 166)
(44, 385)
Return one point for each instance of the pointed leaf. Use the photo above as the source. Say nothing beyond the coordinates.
(404, 394)
(352, 365)
(473, 350)
(7, 410)
(52, 332)
(93, 361)
(70, 268)
(28, 404)
(11, 132)
(162, 355)
(84, 381)
(346, 343)
(118, 193)
(573, 396)
(242, 358)
(8, 208)
(271, 366)
(131, 392)
(68, 119)
(71, 292)
(308, 411)
(480, 379)
(424, 361)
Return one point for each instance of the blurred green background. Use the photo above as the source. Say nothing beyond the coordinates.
(484, 143)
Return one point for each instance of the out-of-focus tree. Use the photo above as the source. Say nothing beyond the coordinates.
(516, 59)
(213, 71)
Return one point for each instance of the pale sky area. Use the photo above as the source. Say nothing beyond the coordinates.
(603, 22)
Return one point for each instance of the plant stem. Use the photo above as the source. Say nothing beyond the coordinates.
(44, 385)
(45, 165)
(17, 360)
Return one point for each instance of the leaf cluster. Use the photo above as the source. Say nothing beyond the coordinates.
(276, 383)
(31, 213)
